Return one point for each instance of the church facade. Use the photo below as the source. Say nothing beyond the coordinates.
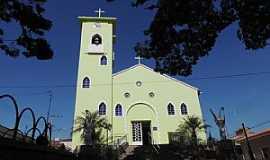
(142, 105)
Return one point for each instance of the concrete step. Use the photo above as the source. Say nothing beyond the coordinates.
(165, 152)
(128, 152)
(138, 153)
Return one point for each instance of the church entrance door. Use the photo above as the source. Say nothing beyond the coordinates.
(146, 131)
(137, 133)
(141, 132)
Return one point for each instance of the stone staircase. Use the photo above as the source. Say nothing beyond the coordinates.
(165, 152)
(127, 152)
(138, 153)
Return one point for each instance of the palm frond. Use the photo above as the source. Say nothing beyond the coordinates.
(91, 126)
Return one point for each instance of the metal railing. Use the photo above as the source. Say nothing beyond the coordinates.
(120, 140)
(121, 143)
(154, 144)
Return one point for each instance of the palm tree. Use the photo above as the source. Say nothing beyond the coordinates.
(108, 127)
(191, 126)
(91, 126)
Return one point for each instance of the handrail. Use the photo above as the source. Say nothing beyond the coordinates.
(155, 145)
(120, 141)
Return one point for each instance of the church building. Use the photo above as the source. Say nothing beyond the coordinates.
(142, 105)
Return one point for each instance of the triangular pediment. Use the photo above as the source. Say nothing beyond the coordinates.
(149, 71)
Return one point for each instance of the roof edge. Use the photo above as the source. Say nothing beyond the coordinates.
(101, 19)
(164, 75)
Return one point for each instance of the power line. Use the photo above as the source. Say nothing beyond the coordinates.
(26, 94)
(146, 82)
(254, 126)
(8, 40)
(260, 124)
(39, 86)
(232, 76)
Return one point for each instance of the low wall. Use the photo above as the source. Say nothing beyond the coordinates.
(14, 150)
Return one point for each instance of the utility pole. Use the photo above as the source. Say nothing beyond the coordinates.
(53, 116)
(248, 144)
(48, 115)
(50, 105)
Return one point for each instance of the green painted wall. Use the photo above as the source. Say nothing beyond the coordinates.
(109, 88)
(166, 91)
(89, 66)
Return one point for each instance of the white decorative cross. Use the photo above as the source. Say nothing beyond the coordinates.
(99, 11)
(139, 59)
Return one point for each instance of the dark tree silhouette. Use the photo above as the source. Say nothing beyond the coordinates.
(28, 15)
(183, 31)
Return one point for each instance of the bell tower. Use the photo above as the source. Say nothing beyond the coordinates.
(95, 68)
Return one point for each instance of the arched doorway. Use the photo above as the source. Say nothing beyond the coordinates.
(141, 118)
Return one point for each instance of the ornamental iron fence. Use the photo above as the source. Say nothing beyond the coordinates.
(15, 133)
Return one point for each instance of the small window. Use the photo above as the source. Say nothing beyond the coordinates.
(103, 60)
(96, 39)
(118, 110)
(170, 108)
(138, 83)
(184, 109)
(152, 94)
(86, 82)
(127, 95)
(102, 109)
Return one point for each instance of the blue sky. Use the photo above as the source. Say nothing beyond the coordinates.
(246, 99)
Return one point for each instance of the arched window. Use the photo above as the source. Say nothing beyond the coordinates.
(170, 109)
(184, 109)
(102, 109)
(86, 82)
(118, 110)
(103, 60)
(96, 39)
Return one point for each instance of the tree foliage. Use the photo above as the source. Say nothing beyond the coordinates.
(91, 126)
(183, 31)
(191, 127)
(28, 15)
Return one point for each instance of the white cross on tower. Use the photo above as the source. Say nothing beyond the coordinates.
(99, 11)
(139, 59)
